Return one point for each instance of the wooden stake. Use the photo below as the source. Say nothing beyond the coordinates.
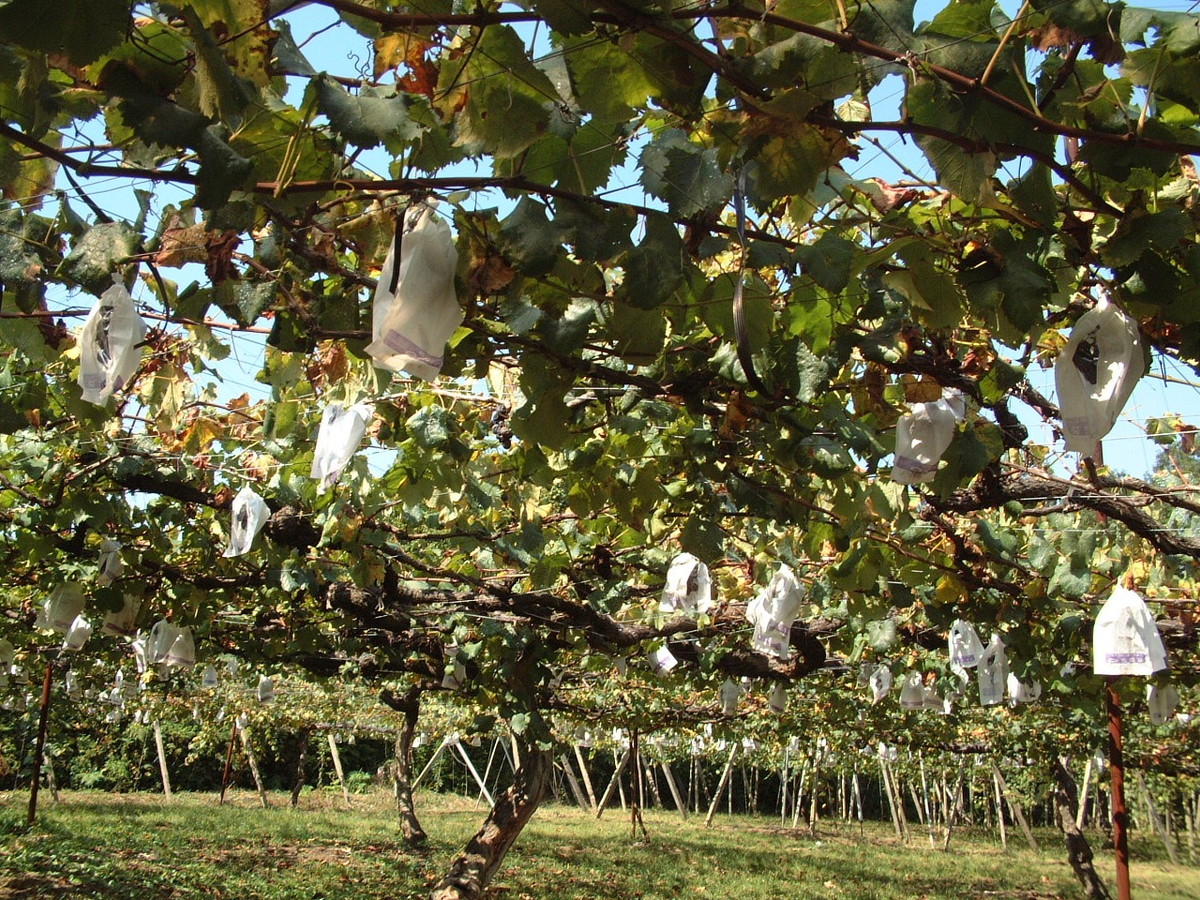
(573, 782)
(462, 751)
(1156, 820)
(680, 803)
(1083, 794)
(925, 795)
(228, 763)
(337, 767)
(612, 785)
(587, 779)
(886, 784)
(432, 760)
(1120, 815)
(40, 748)
(162, 760)
(301, 758)
(262, 793)
(1000, 810)
(712, 810)
(1015, 808)
(51, 781)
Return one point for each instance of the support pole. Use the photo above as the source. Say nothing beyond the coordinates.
(51, 781)
(1000, 809)
(680, 803)
(712, 809)
(612, 785)
(337, 767)
(587, 779)
(572, 782)
(228, 764)
(40, 748)
(1015, 808)
(250, 758)
(432, 760)
(1120, 815)
(1083, 794)
(925, 796)
(1157, 821)
(162, 760)
(462, 751)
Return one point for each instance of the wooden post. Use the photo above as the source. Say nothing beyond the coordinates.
(587, 779)
(40, 748)
(573, 782)
(925, 795)
(432, 760)
(1015, 808)
(886, 784)
(680, 802)
(712, 809)
(612, 785)
(1156, 820)
(162, 760)
(262, 793)
(51, 781)
(798, 795)
(462, 751)
(487, 770)
(1000, 809)
(620, 785)
(1120, 815)
(337, 767)
(228, 763)
(1081, 814)
(301, 758)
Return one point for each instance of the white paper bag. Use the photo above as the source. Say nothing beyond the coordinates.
(182, 652)
(777, 699)
(773, 611)
(122, 623)
(209, 679)
(912, 692)
(730, 694)
(456, 673)
(1162, 702)
(71, 684)
(688, 591)
(1096, 372)
(1125, 640)
(1022, 691)
(415, 309)
(965, 646)
(77, 634)
(992, 672)
(662, 660)
(341, 431)
(923, 434)
(250, 514)
(110, 565)
(881, 683)
(108, 345)
(61, 607)
(266, 689)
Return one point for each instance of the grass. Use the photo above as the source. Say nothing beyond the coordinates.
(97, 845)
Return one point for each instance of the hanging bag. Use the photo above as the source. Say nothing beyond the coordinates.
(110, 565)
(992, 672)
(924, 434)
(1125, 640)
(250, 514)
(415, 310)
(60, 609)
(881, 683)
(688, 591)
(912, 692)
(77, 634)
(773, 611)
(122, 623)
(965, 646)
(1161, 702)
(109, 351)
(1096, 372)
(341, 431)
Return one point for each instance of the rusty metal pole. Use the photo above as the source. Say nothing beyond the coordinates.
(1120, 816)
(38, 752)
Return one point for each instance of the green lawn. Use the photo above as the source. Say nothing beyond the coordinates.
(107, 846)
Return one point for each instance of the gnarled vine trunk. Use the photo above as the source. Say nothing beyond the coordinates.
(477, 865)
(410, 826)
(1079, 852)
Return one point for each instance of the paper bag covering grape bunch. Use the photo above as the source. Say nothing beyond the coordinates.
(415, 308)
(1096, 372)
